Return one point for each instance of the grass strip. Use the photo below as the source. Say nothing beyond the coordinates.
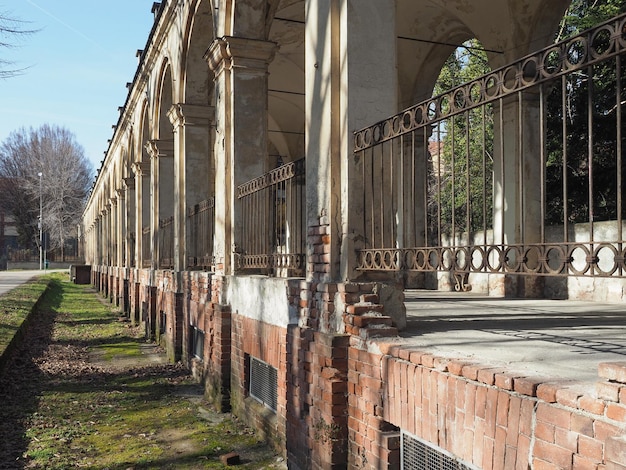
(15, 307)
(72, 412)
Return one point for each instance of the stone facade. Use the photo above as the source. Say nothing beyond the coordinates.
(225, 93)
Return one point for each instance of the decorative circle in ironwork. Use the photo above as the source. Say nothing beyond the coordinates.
(377, 132)
(434, 260)
(621, 38)
(388, 260)
(387, 128)
(444, 105)
(551, 62)
(510, 80)
(421, 260)
(431, 110)
(601, 42)
(579, 259)
(459, 100)
(475, 93)
(477, 253)
(462, 259)
(494, 258)
(367, 137)
(512, 259)
(491, 86)
(447, 258)
(532, 259)
(408, 120)
(605, 254)
(575, 52)
(555, 258)
(530, 71)
(420, 115)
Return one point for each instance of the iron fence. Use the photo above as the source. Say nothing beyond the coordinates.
(273, 221)
(146, 250)
(201, 231)
(519, 171)
(166, 243)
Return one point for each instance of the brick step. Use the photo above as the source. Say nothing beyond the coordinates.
(369, 299)
(364, 308)
(364, 321)
(378, 331)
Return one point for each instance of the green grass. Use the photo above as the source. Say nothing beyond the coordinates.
(16, 305)
(144, 417)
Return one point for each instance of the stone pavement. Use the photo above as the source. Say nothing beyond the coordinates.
(560, 339)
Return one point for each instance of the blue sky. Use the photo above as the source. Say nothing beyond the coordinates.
(78, 64)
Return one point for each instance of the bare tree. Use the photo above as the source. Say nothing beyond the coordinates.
(44, 166)
(11, 31)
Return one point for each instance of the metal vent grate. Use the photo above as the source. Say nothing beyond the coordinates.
(263, 383)
(197, 342)
(420, 455)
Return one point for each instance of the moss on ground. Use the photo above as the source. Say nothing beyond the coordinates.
(88, 415)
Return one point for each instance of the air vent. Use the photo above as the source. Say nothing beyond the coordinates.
(197, 342)
(420, 455)
(263, 383)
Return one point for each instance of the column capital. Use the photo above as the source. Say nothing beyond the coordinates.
(157, 148)
(129, 183)
(182, 114)
(141, 168)
(230, 52)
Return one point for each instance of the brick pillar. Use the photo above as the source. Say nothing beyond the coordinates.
(328, 429)
(217, 352)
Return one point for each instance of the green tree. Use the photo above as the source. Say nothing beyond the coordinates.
(461, 172)
(570, 181)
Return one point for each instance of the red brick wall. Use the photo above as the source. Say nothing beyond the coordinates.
(344, 398)
(487, 417)
(268, 343)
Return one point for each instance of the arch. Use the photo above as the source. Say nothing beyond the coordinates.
(164, 100)
(196, 76)
(428, 31)
(144, 134)
(251, 19)
(286, 83)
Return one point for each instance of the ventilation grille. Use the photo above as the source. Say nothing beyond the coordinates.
(419, 455)
(197, 342)
(263, 383)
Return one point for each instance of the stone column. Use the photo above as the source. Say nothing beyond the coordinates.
(131, 224)
(162, 190)
(517, 190)
(106, 234)
(142, 207)
(96, 241)
(120, 227)
(240, 66)
(348, 87)
(193, 179)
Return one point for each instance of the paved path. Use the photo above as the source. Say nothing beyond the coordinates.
(11, 279)
(556, 338)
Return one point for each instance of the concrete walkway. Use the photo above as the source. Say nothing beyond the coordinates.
(11, 279)
(559, 339)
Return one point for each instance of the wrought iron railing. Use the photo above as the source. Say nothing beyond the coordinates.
(201, 231)
(166, 243)
(519, 171)
(146, 250)
(273, 221)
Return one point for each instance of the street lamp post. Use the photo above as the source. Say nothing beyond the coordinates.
(40, 224)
